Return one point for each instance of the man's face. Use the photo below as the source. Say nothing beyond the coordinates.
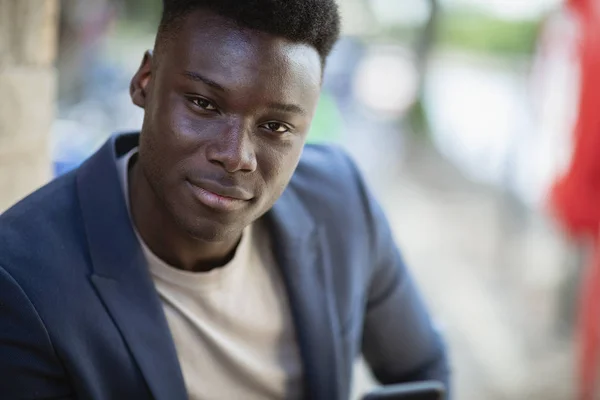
(227, 112)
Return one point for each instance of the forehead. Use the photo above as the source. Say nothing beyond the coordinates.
(240, 58)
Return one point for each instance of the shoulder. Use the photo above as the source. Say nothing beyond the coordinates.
(327, 174)
(329, 186)
(325, 160)
(40, 224)
(50, 202)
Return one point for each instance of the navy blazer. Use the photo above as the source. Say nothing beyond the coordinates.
(80, 317)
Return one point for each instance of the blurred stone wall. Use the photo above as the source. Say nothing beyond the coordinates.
(27, 93)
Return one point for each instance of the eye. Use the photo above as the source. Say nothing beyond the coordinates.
(203, 103)
(276, 127)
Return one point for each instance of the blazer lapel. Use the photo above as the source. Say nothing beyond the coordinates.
(120, 273)
(299, 251)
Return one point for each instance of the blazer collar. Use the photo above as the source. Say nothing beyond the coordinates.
(301, 253)
(123, 282)
(120, 274)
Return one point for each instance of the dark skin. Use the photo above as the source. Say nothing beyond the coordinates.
(227, 111)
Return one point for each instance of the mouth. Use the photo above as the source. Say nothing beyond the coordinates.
(217, 197)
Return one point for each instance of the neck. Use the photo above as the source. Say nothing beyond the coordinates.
(165, 238)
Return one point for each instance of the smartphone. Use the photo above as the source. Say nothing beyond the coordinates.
(427, 390)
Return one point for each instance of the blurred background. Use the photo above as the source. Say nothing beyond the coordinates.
(460, 113)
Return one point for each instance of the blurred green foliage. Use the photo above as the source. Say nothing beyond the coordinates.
(417, 120)
(478, 32)
(484, 33)
(143, 12)
(327, 124)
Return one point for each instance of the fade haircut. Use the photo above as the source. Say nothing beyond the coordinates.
(312, 22)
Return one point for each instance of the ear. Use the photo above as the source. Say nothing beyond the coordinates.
(139, 83)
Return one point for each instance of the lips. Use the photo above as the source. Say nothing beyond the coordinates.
(218, 197)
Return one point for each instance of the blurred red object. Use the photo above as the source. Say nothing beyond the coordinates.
(576, 196)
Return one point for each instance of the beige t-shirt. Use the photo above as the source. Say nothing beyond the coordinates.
(232, 326)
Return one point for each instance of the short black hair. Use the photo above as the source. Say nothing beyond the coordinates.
(312, 22)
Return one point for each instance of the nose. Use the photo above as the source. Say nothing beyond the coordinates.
(233, 149)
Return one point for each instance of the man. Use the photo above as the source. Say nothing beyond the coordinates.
(209, 256)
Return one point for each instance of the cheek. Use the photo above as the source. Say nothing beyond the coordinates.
(171, 133)
(168, 115)
(279, 166)
(161, 151)
(171, 120)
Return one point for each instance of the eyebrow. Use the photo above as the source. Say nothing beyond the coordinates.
(199, 78)
(288, 108)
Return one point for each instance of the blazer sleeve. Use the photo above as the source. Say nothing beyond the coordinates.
(29, 368)
(400, 343)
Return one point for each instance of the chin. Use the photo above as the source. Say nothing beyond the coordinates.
(208, 230)
(203, 225)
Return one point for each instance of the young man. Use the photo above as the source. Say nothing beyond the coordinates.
(209, 256)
